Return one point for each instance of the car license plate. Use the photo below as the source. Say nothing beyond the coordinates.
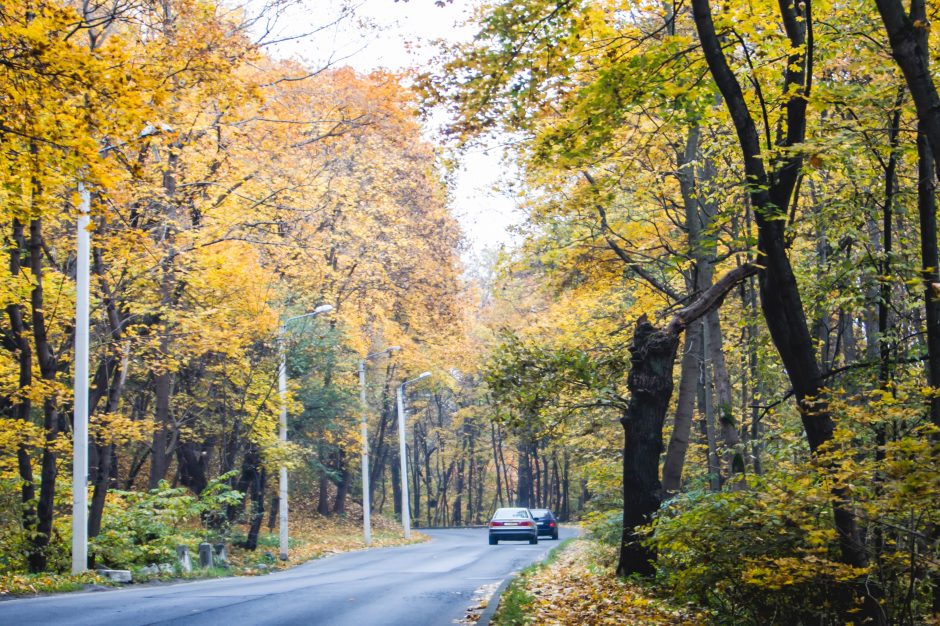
(512, 523)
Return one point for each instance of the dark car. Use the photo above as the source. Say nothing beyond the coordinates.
(513, 523)
(546, 522)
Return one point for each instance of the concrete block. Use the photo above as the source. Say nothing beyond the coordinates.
(182, 555)
(220, 555)
(116, 575)
(205, 555)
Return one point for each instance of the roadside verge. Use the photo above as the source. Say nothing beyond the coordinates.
(486, 617)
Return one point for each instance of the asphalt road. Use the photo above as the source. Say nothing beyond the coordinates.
(429, 584)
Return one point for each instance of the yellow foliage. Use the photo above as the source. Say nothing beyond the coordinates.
(781, 572)
(119, 429)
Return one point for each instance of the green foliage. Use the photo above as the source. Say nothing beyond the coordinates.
(214, 502)
(144, 528)
(514, 604)
(605, 527)
(13, 538)
(761, 556)
(532, 380)
(769, 554)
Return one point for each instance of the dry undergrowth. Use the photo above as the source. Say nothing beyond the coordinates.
(575, 589)
(313, 537)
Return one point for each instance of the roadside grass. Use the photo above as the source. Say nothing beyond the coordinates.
(312, 537)
(31, 584)
(576, 585)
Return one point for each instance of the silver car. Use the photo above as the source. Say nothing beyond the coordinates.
(513, 523)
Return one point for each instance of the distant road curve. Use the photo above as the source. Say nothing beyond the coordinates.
(424, 584)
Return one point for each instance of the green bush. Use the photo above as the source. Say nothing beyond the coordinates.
(770, 554)
(605, 526)
(754, 557)
(214, 503)
(143, 528)
(13, 538)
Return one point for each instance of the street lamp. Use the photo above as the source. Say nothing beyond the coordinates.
(80, 384)
(282, 389)
(80, 408)
(405, 512)
(366, 504)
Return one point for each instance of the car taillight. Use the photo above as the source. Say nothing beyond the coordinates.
(496, 523)
(527, 524)
(551, 524)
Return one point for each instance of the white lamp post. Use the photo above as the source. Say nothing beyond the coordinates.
(80, 417)
(405, 512)
(366, 504)
(80, 384)
(282, 389)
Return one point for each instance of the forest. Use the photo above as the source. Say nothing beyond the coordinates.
(715, 343)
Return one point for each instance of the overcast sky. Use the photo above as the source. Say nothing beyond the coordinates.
(398, 35)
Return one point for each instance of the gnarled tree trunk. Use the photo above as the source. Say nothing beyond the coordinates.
(653, 355)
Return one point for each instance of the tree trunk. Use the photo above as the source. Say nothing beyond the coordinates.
(708, 414)
(653, 353)
(323, 496)
(159, 460)
(481, 490)
(770, 197)
(163, 377)
(252, 483)
(415, 465)
(908, 36)
(685, 408)
(724, 400)
(565, 484)
(556, 483)
(927, 207)
(536, 471)
(105, 452)
(757, 391)
(257, 515)
(193, 460)
(428, 493)
(379, 453)
(470, 476)
(20, 407)
(458, 494)
(52, 420)
(273, 514)
(524, 477)
(502, 464)
(498, 496)
(109, 382)
(342, 488)
(394, 469)
(699, 213)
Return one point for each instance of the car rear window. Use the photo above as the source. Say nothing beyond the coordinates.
(539, 512)
(523, 513)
